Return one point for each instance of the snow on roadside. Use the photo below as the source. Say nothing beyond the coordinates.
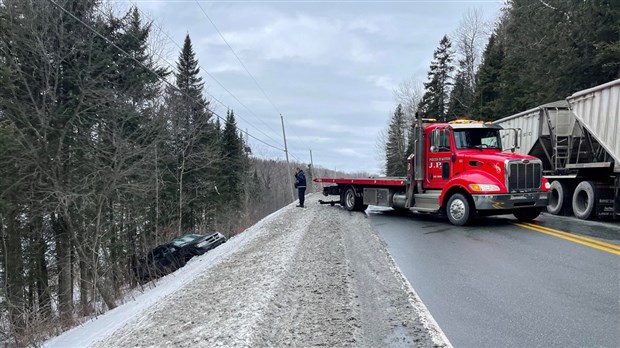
(106, 324)
(318, 276)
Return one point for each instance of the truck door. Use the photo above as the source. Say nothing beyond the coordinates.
(439, 164)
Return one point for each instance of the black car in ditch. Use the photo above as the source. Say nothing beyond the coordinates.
(191, 245)
(158, 262)
(169, 257)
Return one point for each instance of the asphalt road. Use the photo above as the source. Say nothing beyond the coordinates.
(498, 284)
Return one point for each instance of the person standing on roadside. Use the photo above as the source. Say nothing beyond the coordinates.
(300, 184)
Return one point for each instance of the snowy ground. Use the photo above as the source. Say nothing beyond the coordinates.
(317, 276)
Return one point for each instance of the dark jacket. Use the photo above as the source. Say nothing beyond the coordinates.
(300, 179)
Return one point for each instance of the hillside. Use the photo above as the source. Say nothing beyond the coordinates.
(317, 276)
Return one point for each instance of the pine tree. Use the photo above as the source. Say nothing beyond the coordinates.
(548, 50)
(395, 148)
(435, 100)
(194, 142)
(461, 96)
(233, 162)
(489, 81)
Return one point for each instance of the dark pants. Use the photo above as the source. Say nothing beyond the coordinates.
(301, 192)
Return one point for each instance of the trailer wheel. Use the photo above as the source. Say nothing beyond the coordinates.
(584, 200)
(459, 209)
(559, 195)
(527, 214)
(352, 202)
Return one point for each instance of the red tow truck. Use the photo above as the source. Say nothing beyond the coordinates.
(458, 169)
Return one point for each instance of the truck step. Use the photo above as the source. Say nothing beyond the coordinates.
(426, 201)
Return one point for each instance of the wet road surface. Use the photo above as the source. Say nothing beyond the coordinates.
(499, 284)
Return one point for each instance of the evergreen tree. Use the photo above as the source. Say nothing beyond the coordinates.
(395, 148)
(489, 81)
(233, 162)
(194, 142)
(546, 50)
(435, 100)
(462, 95)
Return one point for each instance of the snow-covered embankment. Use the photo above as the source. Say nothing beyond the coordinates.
(303, 277)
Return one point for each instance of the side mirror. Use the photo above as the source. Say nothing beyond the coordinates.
(436, 139)
(515, 144)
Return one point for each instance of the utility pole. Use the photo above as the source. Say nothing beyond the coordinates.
(288, 165)
(312, 166)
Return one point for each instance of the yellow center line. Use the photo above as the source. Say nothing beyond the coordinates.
(576, 236)
(593, 243)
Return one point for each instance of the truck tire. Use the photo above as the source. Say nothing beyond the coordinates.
(584, 200)
(459, 209)
(351, 201)
(527, 214)
(349, 198)
(559, 195)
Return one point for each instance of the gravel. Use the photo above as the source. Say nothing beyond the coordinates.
(315, 276)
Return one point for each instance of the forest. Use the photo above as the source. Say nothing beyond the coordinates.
(537, 52)
(105, 154)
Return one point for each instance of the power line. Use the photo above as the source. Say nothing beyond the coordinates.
(217, 81)
(148, 68)
(243, 65)
(239, 59)
(206, 92)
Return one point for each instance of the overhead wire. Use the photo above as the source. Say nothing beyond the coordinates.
(218, 82)
(206, 92)
(239, 59)
(149, 69)
(244, 66)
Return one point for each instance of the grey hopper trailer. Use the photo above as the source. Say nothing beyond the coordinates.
(578, 140)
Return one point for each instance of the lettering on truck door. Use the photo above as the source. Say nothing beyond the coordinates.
(438, 169)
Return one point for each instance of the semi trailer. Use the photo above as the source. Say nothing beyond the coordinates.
(578, 141)
(458, 169)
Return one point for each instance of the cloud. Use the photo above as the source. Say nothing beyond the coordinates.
(382, 81)
(351, 152)
(309, 39)
(225, 67)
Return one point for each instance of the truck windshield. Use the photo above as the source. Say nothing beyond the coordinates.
(479, 138)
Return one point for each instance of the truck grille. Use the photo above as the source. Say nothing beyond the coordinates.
(523, 175)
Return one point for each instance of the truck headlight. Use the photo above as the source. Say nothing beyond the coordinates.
(483, 187)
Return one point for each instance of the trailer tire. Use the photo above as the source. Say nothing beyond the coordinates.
(559, 196)
(459, 209)
(584, 200)
(527, 214)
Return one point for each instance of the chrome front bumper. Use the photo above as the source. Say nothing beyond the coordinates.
(510, 201)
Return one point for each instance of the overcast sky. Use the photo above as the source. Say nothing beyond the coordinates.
(330, 67)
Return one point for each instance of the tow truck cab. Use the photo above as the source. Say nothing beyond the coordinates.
(462, 167)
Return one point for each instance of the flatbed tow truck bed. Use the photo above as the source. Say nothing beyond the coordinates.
(387, 181)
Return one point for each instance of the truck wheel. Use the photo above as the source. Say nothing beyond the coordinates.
(352, 202)
(584, 200)
(349, 199)
(559, 195)
(527, 214)
(459, 209)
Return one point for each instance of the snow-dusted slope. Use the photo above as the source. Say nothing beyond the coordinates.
(302, 277)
